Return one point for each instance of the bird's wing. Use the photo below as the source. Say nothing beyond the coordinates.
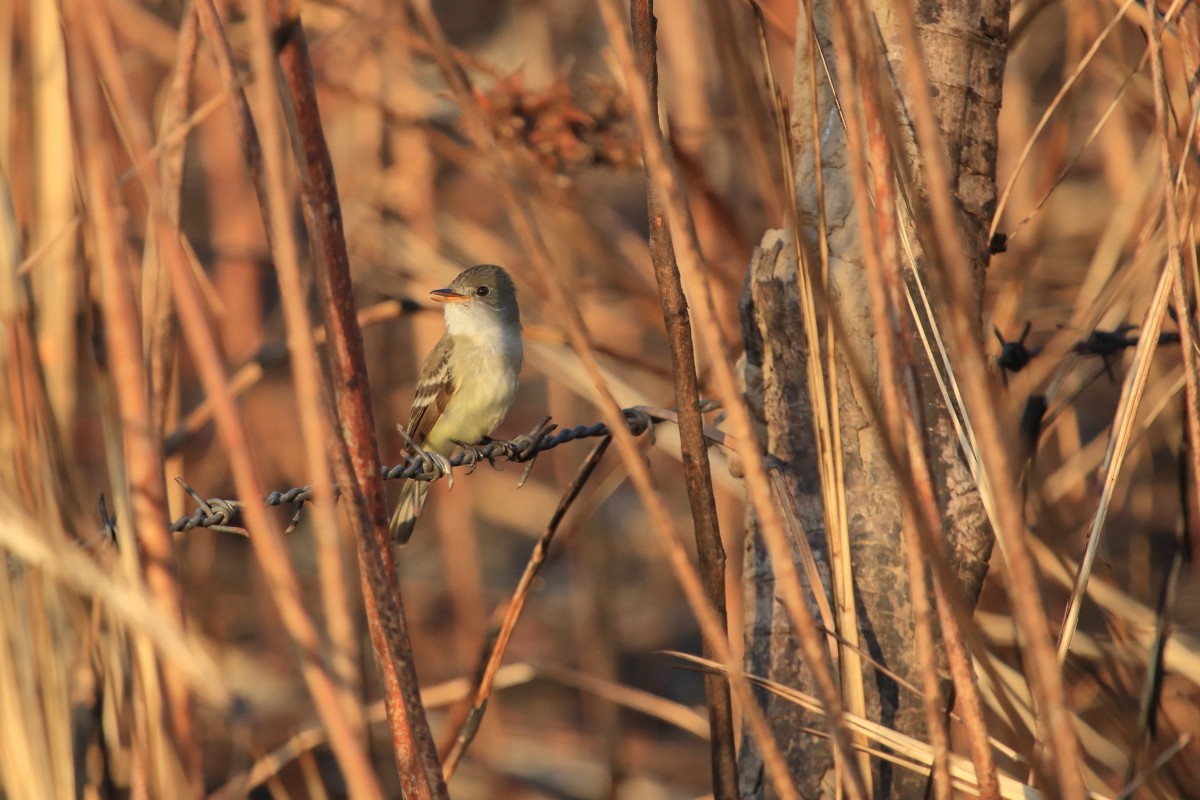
(435, 387)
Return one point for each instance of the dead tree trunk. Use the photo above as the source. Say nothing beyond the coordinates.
(964, 42)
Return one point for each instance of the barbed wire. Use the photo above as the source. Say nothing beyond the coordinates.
(1015, 355)
(220, 513)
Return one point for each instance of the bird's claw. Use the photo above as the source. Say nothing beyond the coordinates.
(472, 455)
(438, 463)
(510, 449)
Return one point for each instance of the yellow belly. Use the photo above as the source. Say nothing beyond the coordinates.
(485, 393)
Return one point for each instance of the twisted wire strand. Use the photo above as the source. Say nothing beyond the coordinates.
(220, 512)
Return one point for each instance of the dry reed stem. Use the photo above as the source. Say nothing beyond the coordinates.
(123, 338)
(310, 398)
(996, 476)
(1075, 76)
(663, 525)
(867, 141)
(494, 656)
(36, 659)
(356, 461)
(58, 289)
(824, 393)
(1183, 307)
(156, 302)
(457, 689)
(923, 621)
(161, 342)
(710, 552)
(799, 539)
(906, 751)
(267, 543)
(415, 750)
(8, 39)
(757, 479)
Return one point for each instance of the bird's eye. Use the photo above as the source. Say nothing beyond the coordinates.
(481, 291)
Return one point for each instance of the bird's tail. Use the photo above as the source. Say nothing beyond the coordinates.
(412, 499)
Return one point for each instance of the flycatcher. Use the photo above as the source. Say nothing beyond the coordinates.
(469, 379)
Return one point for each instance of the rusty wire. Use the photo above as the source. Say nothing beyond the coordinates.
(220, 513)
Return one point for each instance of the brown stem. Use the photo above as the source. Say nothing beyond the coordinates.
(306, 376)
(710, 552)
(469, 722)
(758, 484)
(267, 543)
(123, 342)
(950, 257)
(416, 753)
(639, 471)
(355, 459)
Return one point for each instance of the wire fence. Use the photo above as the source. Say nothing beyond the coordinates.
(218, 513)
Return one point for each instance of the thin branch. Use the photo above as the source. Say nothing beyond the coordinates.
(274, 355)
(310, 397)
(710, 553)
(123, 334)
(664, 525)
(758, 484)
(412, 741)
(469, 723)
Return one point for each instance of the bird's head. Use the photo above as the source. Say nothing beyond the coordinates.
(479, 295)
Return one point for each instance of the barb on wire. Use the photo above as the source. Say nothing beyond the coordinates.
(1015, 355)
(221, 514)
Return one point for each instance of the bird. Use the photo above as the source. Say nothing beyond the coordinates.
(469, 379)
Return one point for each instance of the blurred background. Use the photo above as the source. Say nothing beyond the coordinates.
(596, 711)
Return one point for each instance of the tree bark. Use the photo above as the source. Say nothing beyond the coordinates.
(964, 43)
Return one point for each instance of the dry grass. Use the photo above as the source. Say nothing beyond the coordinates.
(148, 299)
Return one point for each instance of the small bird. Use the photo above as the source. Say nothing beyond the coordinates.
(468, 381)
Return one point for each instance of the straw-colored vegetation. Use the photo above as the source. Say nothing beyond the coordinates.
(192, 308)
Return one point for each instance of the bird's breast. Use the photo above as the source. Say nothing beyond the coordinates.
(485, 374)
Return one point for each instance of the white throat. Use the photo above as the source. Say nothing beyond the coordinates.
(475, 322)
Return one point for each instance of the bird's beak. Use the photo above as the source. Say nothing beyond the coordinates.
(448, 296)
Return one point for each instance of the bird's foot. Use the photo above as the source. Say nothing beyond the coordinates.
(436, 462)
(472, 455)
(510, 450)
(433, 462)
